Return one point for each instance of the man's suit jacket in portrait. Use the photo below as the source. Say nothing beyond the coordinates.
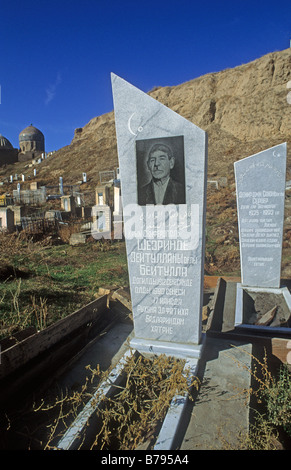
(174, 194)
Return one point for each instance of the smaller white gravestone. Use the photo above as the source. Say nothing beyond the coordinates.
(260, 191)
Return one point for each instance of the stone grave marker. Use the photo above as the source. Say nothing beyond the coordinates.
(260, 188)
(260, 191)
(163, 170)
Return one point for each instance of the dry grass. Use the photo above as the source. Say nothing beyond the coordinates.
(136, 410)
(66, 231)
(271, 429)
(19, 318)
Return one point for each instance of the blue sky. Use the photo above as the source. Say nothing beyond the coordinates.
(56, 56)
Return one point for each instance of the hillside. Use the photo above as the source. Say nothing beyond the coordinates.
(244, 110)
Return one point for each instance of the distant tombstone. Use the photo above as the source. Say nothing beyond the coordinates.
(61, 185)
(117, 201)
(102, 221)
(260, 188)
(100, 199)
(164, 224)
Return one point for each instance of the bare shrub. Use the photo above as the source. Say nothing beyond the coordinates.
(65, 231)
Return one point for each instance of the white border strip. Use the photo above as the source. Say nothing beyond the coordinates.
(74, 431)
(172, 420)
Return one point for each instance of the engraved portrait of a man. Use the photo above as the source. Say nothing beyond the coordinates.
(163, 186)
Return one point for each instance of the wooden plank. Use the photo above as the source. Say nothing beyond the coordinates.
(14, 338)
(124, 297)
(281, 348)
(38, 374)
(210, 282)
(228, 315)
(215, 319)
(21, 353)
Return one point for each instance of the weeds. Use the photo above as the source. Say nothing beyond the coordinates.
(18, 318)
(273, 396)
(65, 231)
(261, 436)
(41, 311)
(277, 396)
(132, 415)
(142, 403)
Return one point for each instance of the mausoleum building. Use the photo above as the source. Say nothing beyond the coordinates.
(8, 154)
(31, 146)
(31, 143)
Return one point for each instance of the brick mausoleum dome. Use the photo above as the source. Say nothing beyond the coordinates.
(4, 143)
(31, 139)
(8, 154)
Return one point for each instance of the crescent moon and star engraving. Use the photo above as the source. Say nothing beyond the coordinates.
(139, 129)
(277, 154)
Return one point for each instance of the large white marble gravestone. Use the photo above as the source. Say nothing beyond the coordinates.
(164, 220)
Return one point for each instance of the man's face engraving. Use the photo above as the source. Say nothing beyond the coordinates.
(160, 164)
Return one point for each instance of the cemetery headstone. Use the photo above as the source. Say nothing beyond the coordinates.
(261, 301)
(163, 170)
(61, 185)
(260, 188)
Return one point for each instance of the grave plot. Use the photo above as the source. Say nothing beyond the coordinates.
(163, 174)
(137, 405)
